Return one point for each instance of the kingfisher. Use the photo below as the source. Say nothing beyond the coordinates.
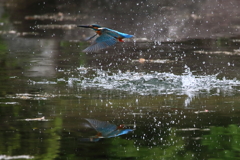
(107, 37)
(105, 130)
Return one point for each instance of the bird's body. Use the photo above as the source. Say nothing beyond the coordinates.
(107, 37)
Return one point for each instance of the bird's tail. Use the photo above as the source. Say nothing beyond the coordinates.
(128, 36)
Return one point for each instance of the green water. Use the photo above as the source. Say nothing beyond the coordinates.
(180, 98)
(165, 109)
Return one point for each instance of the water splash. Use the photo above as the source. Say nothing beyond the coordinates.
(155, 83)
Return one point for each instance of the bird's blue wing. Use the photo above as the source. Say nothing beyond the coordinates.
(105, 128)
(89, 38)
(103, 41)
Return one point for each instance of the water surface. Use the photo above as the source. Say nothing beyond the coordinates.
(179, 98)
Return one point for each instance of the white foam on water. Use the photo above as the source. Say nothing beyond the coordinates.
(158, 83)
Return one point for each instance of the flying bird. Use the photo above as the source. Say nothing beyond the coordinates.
(106, 37)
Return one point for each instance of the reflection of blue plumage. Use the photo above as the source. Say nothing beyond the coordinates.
(107, 37)
(106, 129)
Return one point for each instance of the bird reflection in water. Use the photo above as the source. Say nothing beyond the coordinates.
(105, 130)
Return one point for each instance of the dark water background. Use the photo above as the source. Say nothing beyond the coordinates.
(176, 84)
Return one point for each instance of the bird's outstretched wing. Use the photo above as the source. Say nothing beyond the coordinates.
(89, 38)
(103, 41)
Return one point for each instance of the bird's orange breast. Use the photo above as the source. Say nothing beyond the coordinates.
(98, 32)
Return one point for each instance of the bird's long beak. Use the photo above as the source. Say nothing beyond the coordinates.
(85, 26)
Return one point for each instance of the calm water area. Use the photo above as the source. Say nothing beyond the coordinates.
(171, 92)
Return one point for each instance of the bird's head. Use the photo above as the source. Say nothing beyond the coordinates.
(93, 26)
